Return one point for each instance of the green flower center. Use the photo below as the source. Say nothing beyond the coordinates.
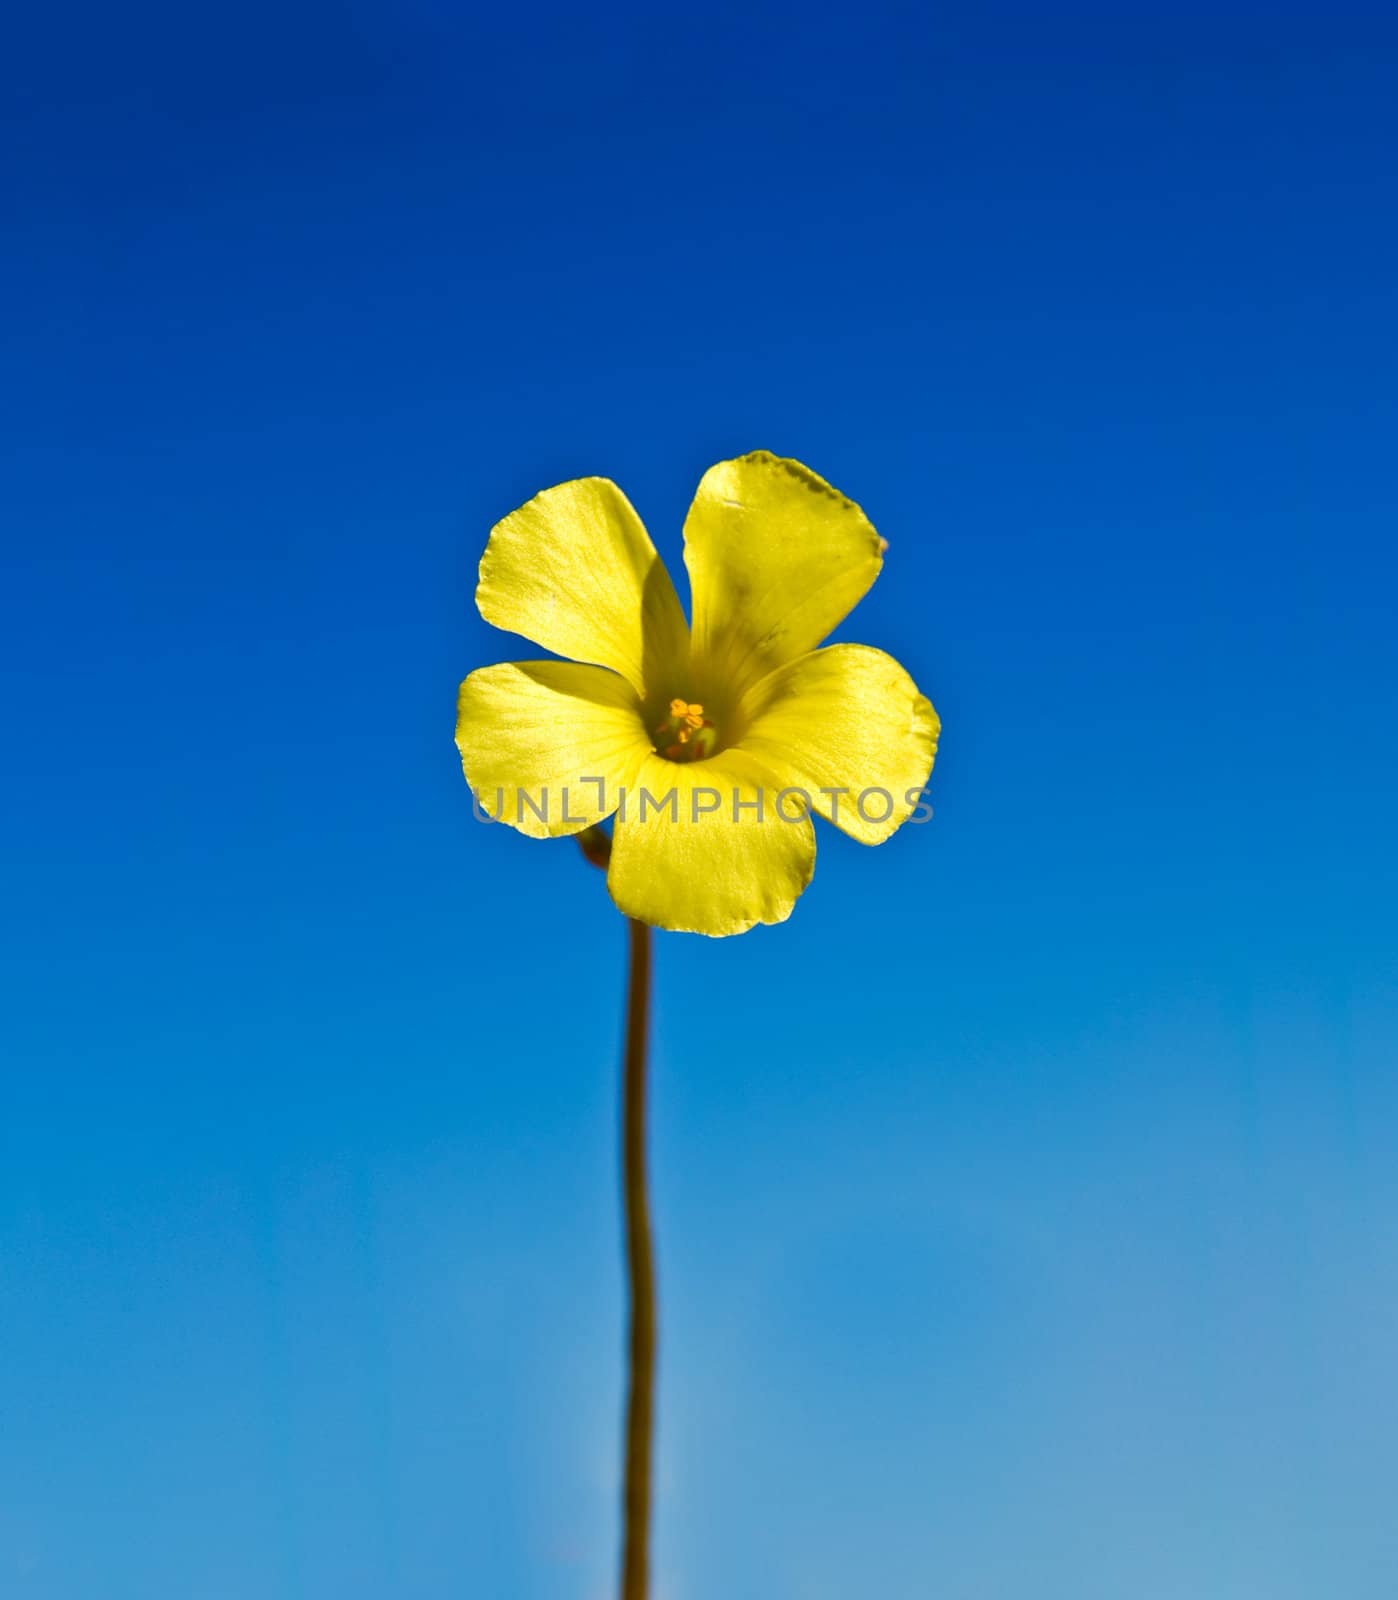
(686, 734)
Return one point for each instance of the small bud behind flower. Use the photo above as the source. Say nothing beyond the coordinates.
(595, 845)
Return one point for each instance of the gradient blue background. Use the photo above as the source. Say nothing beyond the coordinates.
(1028, 1204)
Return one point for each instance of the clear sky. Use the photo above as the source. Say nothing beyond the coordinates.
(1028, 1204)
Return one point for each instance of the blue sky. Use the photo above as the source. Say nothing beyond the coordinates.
(1028, 1204)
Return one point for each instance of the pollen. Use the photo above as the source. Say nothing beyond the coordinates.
(686, 734)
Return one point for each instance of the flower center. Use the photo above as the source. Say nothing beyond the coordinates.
(686, 734)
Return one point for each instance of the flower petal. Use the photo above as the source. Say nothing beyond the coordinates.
(776, 559)
(708, 873)
(532, 732)
(846, 718)
(575, 571)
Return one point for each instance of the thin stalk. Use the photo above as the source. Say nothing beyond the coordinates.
(640, 1270)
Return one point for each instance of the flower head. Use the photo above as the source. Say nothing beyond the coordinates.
(712, 742)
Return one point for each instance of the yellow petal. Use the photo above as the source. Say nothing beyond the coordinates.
(706, 873)
(574, 570)
(846, 718)
(532, 732)
(776, 559)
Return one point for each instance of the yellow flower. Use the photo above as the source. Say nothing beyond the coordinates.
(723, 727)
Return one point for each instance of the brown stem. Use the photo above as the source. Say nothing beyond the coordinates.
(640, 1256)
(640, 1266)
